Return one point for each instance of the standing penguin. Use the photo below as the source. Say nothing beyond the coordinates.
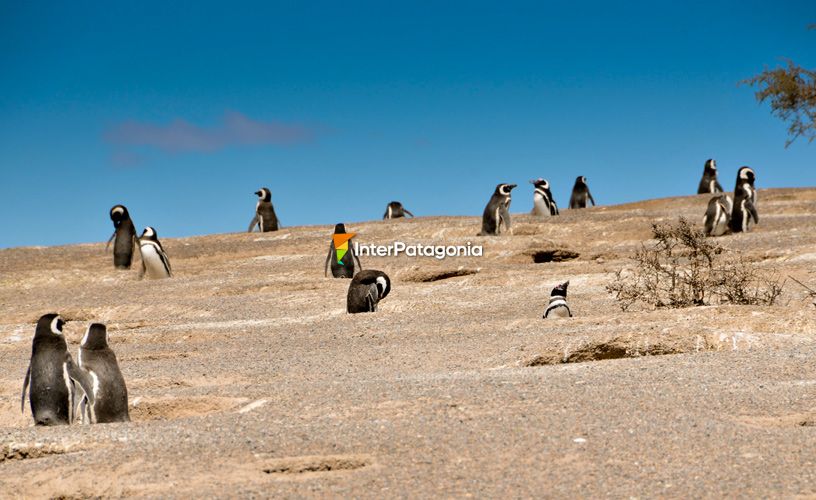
(342, 264)
(717, 215)
(265, 217)
(558, 302)
(580, 193)
(745, 182)
(108, 385)
(497, 211)
(395, 210)
(123, 237)
(744, 211)
(366, 290)
(543, 201)
(154, 260)
(709, 183)
(57, 384)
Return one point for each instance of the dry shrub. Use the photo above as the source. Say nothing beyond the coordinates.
(683, 268)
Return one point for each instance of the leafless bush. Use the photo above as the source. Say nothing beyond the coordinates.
(683, 268)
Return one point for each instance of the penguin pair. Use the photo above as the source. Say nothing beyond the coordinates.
(56, 386)
(558, 307)
(342, 264)
(497, 212)
(543, 202)
(265, 218)
(366, 290)
(155, 263)
(709, 183)
(580, 194)
(395, 210)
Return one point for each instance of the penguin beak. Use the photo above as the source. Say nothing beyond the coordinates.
(257, 193)
(511, 186)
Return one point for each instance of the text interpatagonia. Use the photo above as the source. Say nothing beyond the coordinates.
(417, 250)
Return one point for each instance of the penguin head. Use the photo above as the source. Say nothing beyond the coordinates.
(264, 194)
(560, 290)
(541, 183)
(746, 174)
(96, 337)
(49, 325)
(383, 285)
(150, 234)
(580, 181)
(118, 213)
(711, 164)
(340, 228)
(504, 189)
(395, 204)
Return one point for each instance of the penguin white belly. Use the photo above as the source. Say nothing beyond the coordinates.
(720, 224)
(154, 266)
(540, 206)
(558, 312)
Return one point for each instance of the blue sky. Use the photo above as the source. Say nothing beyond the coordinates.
(182, 112)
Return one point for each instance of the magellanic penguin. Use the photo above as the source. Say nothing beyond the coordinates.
(342, 266)
(57, 384)
(265, 217)
(744, 211)
(580, 193)
(745, 182)
(366, 290)
(155, 263)
(558, 302)
(709, 183)
(497, 212)
(543, 201)
(395, 210)
(108, 385)
(718, 215)
(123, 237)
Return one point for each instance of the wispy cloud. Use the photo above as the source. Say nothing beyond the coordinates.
(235, 129)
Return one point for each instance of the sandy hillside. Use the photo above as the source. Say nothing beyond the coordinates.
(247, 377)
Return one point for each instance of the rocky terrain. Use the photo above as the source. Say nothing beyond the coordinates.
(247, 377)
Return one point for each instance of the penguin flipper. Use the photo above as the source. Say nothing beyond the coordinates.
(590, 197)
(254, 223)
(107, 245)
(25, 387)
(328, 258)
(80, 377)
(753, 211)
(717, 187)
(359, 265)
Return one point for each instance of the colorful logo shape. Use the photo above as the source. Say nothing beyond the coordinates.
(341, 246)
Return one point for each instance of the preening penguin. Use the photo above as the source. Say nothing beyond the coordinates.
(154, 260)
(543, 201)
(57, 384)
(342, 263)
(744, 211)
(395, 210)
(123, 237)
(366, 290)
(108, 385)
(709, 183)
(717, 215)
(580, 193)
(558, 302)
(497, 212)
(265, 217)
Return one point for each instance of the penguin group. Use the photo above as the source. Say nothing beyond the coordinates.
(725, 213)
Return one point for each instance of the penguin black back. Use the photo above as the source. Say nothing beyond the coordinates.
(709, 183)
(746, 179)
(344, 266)
(124, 237)
(265, 218)
(581, 194)
(395, 210)
(109, 389)
(366, 290)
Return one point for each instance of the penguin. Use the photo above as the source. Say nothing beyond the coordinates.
(745, 181)
(366, 290)
(107, 383)
(497, 211)
(265, 217)
(718, 215)
(580, 193)
(154, 260)
(395, 210)
(123, 237)
(558, 302)
(57, 384)
(543, 201)
(744, 211)
(709, 183)
(344, 268)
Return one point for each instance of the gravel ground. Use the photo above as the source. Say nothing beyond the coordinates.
(247, 378)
